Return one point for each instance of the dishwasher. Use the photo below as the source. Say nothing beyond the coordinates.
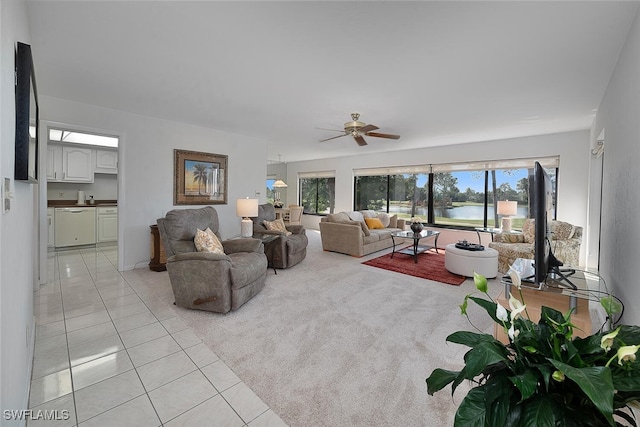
(75, 226)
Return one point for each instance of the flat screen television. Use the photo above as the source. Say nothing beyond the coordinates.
(27, 116)
(545, 264)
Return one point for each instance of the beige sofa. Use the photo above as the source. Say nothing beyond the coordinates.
(565, 244)
(348, 233)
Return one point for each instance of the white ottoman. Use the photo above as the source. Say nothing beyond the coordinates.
(464, 263)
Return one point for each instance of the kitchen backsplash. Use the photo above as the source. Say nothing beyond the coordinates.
(104, 187)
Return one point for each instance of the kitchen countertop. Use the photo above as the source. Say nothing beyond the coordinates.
(74, 203)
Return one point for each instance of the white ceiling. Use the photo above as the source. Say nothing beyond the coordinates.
(434, 72)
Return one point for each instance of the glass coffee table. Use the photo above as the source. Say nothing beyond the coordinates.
(416, 248)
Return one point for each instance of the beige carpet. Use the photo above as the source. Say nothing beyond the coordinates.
(332, 342)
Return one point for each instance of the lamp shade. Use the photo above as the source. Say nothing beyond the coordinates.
(507, 208)
(247, 207)
(280, 184)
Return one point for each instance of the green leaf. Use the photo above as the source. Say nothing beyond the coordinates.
(470, 339)
(626, 380)
(629, 335)
(526, 384)
(595, 382)
(463, 306)
(498, 393)
(489, 306)
(546, 372)
(540, 412)
(551, 317)
(481, 356)
(611, 305)
(439, 379)
(472, 411)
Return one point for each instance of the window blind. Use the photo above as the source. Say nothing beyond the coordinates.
(317, 174)
(546, 162)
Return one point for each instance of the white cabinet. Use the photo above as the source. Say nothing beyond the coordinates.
(107, 224)
(50, 225)
(77, 164)
(69, 163)
(54, 162)
(106, 161)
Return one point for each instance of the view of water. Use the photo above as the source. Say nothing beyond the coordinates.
(460, 212)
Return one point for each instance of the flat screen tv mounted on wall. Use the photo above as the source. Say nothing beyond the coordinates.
(545, 264)
(27, 116)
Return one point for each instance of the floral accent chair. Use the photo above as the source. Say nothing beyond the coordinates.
(565, 244)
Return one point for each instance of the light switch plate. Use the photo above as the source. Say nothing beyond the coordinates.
(6, 195)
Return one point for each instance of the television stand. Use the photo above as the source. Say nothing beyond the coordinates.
(557, 279)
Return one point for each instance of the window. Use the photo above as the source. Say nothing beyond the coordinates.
(401, 194)
(271, 194)
(469, 198)
(317, 192)
(454, 195)
(63, 135)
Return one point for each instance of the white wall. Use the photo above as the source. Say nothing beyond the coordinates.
(103, 187)
(618, 115)
(145, 170)
(572, 147)
(18, 235)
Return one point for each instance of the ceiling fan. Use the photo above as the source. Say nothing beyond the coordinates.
(358, 130)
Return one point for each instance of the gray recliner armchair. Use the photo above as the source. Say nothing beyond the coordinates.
(204, 280)
(285, 251)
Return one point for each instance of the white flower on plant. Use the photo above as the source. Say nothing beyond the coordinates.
(501, 313)
(627, 353)
(416, 219)
(515, 278)
(516, 307)
(607, 341)
(513, 332)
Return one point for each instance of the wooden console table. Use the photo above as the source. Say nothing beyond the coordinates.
(535, 299)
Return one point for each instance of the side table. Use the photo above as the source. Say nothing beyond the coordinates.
(158, 260)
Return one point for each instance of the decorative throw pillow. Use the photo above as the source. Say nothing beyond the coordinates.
(384, 218)
(373, 223)
(393, 221)
(355, 216)
(207, 241)
(277, 225)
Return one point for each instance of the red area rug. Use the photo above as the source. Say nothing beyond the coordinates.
(430, 266)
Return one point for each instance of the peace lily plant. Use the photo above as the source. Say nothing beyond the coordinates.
(544, 376)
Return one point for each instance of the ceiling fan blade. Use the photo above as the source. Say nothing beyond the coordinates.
(333, 130)
(367, 128)
(360, 140)
(383, 135)
(334, 137)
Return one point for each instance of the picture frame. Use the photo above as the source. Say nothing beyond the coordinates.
(199, 178)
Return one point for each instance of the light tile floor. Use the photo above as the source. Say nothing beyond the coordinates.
(109, 353)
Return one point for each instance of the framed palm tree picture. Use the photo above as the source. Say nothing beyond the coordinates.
(199, 178)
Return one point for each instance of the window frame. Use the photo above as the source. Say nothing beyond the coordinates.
(549, 163)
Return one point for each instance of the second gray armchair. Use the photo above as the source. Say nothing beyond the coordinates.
(289, 248)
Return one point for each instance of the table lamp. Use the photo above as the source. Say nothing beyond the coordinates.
(246, 208)
(507, 209)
